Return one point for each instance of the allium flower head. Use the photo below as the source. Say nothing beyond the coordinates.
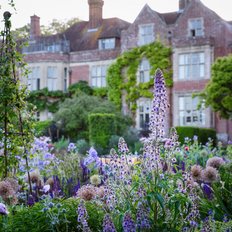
(159, 106)
(196, 172)
(35, 178)
(95, 180)
(7, 192)
(215, 162)
(86, 192)
(210, 174)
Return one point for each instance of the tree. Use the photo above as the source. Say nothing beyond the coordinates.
(218, 92)
(72, 116)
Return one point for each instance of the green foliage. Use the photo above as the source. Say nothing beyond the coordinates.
(44, 99)
(57, 215)
(203, 134)
(101, 128)
(15, 117)
(121, 76)
(82, 146)
(221, 204)
(73, 115)
(218, 92)
(82, 86)
(41, 128)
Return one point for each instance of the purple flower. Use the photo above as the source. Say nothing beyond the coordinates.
(48, 156)
(92, 157)
(207, 190)
(71, 147)
(3, 209)
(128, 223)
(83, 216)
(108, 225)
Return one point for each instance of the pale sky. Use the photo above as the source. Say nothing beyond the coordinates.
(123, 9)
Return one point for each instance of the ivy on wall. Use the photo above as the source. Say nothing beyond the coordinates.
(44, 99)
(122, 75)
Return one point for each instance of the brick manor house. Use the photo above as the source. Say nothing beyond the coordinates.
(196, 34)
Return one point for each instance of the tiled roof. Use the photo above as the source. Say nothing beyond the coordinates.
(170, 18)
(81, 38)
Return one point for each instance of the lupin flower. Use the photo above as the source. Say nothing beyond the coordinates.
(128, 223)
(159, 106)
(108, 225)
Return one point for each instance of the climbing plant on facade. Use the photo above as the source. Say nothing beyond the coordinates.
(122, 75)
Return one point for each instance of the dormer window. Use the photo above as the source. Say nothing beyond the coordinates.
(196, 27)
(146, 34)
(105, 44)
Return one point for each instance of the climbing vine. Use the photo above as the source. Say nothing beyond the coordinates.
(122, 75)
(44, 99)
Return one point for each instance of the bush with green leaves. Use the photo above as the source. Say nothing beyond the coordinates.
(101, 127)
(203, 134)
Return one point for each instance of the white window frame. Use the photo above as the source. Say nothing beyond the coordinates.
(34, 78)
(52, 77)
(143, 113)
(146, 34)
(98, 76)
(144, 71)
(105, 44)
(195, 26)
(188, 112)
(191, 66)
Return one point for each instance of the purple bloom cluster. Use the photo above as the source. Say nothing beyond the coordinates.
(128, 223)
(142, 217)
(108, 225)
(71, 147)
(159, 106)
(83, 216)
(92, 158)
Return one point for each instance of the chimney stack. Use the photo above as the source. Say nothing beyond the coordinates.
(95, 13)
(35, 27)
(183, 4)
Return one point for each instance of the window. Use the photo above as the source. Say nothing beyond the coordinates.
(106, 43)
(98, 76)
(144, 111)
(65, 79)
(34, 79)
(146, 34)
(144, 71)
(195, 27)
(52, 78)
(189, 115)
(192, 66)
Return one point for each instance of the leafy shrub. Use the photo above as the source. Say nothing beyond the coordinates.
(82, 146)
(101, 127)
(41, 128)
(51, 215)
(203, 133)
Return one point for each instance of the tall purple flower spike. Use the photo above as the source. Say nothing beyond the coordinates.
(159, 108)
(3, 209)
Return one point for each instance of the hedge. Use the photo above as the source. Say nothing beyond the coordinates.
(101, 128)
(203, 134)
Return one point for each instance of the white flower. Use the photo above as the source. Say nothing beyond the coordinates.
(3, 209)
(46, 188)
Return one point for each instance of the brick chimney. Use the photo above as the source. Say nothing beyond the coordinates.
(183, 4)
(95, 13)
(35, 27)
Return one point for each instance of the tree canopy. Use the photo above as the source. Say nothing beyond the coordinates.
(218, 92)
